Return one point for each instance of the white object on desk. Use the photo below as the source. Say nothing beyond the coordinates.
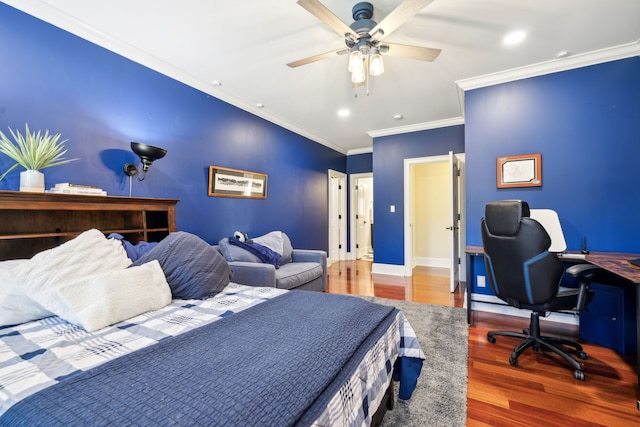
(572, 256)
(549, 220)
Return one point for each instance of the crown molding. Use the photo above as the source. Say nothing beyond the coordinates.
(454, 121)
(548, 67)
(355, 151)
(56, 17)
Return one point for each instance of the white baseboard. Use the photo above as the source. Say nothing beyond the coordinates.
(493, 304)
(388, 269)
(432, 262)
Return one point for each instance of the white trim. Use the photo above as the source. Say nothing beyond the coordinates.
(388, 269)
(493, 304)
(554, 66)
(417, 127)
(360, 151)
(432, 262)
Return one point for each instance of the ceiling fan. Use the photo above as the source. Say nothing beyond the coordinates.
(363, 37)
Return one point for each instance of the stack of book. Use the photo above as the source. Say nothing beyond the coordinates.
(69, 188)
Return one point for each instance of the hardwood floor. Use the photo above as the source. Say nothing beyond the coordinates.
(539, 391)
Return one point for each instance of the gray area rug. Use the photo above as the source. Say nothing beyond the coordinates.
(440, 398)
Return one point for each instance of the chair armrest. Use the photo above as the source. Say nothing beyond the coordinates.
(253, 273)
(584, 273)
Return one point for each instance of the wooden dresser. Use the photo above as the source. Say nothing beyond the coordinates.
(33, 222)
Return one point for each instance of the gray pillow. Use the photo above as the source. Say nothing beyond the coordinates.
(235, 253)
(193, 268)
(287, 253)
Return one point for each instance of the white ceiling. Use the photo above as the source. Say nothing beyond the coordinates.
(246, 44)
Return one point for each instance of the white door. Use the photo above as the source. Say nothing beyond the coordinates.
(454, 218)
(337, 216)
(364, 216)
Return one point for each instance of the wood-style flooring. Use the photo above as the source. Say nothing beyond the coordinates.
(539, 391)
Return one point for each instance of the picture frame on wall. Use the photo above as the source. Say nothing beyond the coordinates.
(519, 171)
(226, 182)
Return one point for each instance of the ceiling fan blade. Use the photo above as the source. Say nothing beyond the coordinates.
(397, 17)
(320, 11)
(320, 57)
(412, 52)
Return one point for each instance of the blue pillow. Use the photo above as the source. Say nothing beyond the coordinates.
(193, 268)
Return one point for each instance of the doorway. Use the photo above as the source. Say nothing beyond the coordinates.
(361, 221)
(337, 216)
(435, 215)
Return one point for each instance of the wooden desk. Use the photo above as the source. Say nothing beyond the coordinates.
(616, 263)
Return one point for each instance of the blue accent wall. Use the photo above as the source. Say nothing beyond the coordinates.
(389, 153)
(100, 101)
(360, 163)
(586, 125)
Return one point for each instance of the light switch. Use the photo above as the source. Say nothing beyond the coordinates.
(392, 208)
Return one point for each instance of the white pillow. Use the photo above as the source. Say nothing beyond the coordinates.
(15, 306)
(106, 298)
(89, 253)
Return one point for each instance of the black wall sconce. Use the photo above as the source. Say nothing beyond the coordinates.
(148, 154)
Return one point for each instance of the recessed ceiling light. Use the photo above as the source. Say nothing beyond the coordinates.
(216, 83)
(259, 105)
(344, 112)
(562, 54)
(398, 116)
(514, 37)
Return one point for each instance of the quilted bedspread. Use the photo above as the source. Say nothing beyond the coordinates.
(251, 368)
(43, 353)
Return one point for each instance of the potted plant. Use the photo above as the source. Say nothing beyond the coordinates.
(33, 151)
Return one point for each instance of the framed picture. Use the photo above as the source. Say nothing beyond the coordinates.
(519, 171)
(225, 182)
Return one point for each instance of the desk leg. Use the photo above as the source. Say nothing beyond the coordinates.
(469, 287)
(638, 345)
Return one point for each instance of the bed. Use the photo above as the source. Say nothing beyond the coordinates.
(90, 338)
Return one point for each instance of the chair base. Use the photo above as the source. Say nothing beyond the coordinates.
(531, 338)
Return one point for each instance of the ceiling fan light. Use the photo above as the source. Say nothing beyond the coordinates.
(355, 60)
(358, 75)
(376, 65)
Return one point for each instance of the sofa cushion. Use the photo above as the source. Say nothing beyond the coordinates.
(235, 253)
(294, 274)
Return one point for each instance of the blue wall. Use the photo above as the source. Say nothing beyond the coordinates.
(389, 153)
(360, 163)
(101, 101)
(586, 125)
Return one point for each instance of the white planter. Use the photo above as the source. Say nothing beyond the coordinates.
(32, 181)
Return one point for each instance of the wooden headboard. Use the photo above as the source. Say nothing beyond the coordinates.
(33, 222)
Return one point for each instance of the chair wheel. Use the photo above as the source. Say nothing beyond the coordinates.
(513, 361)
(579, 375)
(582, 355)
(492, 340)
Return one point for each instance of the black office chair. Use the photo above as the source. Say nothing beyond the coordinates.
(523, 273)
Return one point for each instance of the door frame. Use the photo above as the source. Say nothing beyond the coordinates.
(337, 216)
(353, 210)
(408, 236)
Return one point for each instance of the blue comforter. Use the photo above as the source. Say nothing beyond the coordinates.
(266, 365)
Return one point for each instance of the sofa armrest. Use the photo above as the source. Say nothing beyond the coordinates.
(253, 273)
(310, 255)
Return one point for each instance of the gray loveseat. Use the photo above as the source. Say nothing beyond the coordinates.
(302, 269)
